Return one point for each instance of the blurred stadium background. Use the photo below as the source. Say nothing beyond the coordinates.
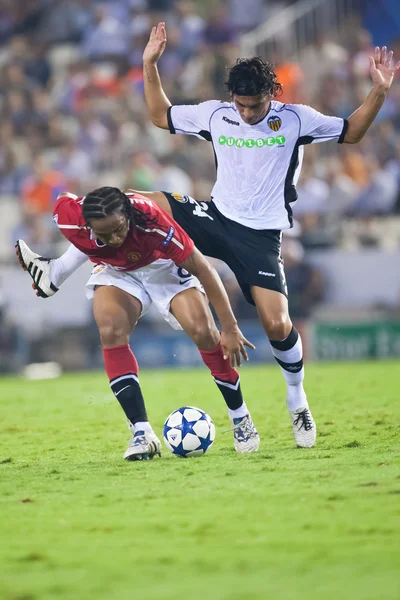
(73, 118)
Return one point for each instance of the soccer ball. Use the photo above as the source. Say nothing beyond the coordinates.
(188, 431)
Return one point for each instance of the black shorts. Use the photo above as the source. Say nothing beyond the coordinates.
(253, 255)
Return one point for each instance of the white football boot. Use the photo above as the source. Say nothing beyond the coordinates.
(304, 427)
(38, 267)
(245, 435)
(143, 445)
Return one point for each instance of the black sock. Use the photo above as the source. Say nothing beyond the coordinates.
(231, 392)
(127, 391)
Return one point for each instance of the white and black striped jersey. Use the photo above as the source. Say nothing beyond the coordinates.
(257, 165)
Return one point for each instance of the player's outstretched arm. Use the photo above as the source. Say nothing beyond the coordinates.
(232, 340)
(156, 98)
(382, 72)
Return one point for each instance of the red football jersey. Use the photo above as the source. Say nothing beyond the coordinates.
(163, 239)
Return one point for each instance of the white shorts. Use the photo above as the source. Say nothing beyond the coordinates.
(156, 284)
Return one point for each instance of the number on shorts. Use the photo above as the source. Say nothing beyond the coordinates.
(200, 210)
(183, 274)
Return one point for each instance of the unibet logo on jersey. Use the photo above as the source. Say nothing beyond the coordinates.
(251, 143)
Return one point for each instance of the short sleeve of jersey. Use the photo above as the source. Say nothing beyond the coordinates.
(167, 237)
(319, 127)
(192, 119)
(67, 215)
(174, 243)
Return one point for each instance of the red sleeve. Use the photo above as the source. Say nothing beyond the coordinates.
(169, 237)
(174, 242)
(67, 214)
(177, 246)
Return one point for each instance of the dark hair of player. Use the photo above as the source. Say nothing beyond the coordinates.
(253, 77)
(107, 200)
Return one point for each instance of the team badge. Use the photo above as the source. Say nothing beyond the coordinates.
(98, 269)
(133, 256)
(274, 123)
(180, 198)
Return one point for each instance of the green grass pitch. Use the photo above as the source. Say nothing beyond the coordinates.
(79, 523)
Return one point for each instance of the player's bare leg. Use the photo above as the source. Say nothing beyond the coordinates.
(272, 308)
(191, 310)
(116, 313)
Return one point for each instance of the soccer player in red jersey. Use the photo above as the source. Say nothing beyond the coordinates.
(142, 256)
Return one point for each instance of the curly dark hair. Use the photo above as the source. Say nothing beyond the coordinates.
(253, 77)
(107, 200)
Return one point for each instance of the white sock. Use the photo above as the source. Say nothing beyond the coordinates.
(61, 268)
(291, 364)
(143, 426)
(240, 412)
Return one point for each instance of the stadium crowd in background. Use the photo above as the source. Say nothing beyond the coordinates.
(73, 117)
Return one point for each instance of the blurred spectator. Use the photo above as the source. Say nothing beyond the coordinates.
(140, 173)
(171, 177)
(74, 163)
(67, 21)
(291, 76)
(191, 26)
(13, 347)
(109, 38)
(380, 195)
(313, 193)
(41, 189)
(10, 174)
(219, 28)
(246, 15)
(305, 282)
(323, 58)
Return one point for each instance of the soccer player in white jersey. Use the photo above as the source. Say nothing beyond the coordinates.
(258, 145)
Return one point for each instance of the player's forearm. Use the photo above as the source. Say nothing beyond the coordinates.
(197, 265)
(218, 297)
(361, 119)
(156, 98)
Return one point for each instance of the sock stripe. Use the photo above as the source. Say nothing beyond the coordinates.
(129, 376)
(231, 386)
(295, 367)
(288, 343)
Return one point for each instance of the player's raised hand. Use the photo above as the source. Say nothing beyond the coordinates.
(233, 346)
(156, 44)
(381, 67)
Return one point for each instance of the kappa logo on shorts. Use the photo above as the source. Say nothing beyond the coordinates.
(274, 123)
(266, 274)
(133, 256)
(180, 198)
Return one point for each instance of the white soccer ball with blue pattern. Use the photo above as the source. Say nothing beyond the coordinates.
(189, 431)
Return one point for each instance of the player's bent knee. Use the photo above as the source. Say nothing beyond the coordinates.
(113, 333)
(206, 337)
(278, 329)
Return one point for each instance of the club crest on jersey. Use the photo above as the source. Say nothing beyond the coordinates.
(133, 256)
(274, 123)
(180, 198)
(98, 269)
